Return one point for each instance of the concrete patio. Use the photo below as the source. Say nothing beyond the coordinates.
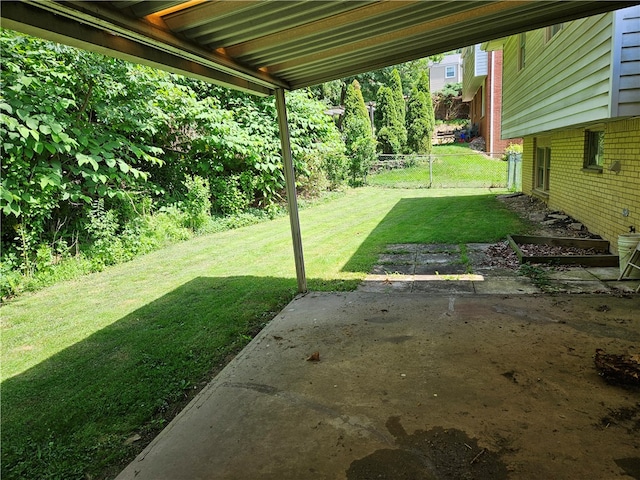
(421, 377)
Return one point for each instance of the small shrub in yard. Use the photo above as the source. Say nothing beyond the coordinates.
(197, 205)
(232, 194)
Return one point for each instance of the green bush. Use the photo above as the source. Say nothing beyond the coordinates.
(388, 123)
(358, 138)
(197, 204)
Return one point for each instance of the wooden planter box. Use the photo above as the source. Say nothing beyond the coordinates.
(601, 259)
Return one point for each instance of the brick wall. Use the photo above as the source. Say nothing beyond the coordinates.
(495, 89)
(596, 199)
(528, 147)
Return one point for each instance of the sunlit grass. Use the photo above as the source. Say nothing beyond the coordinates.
(453, 166)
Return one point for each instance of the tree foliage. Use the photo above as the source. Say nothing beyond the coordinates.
(357, 134)
(448, 102)
(420, 117)
(400, 106)
(389, 127)
(91, 142)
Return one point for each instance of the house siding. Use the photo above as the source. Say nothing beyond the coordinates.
(626, 60)
(563, 84)
(596, 199)
(475, 66)
(437, 72)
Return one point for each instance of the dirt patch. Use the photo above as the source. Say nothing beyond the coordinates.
(429, 455)
(545, 222)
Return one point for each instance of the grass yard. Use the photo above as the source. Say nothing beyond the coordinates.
(454, 166)
(94, 368)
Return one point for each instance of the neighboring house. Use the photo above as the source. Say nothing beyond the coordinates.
(572, 91)
(482, 88)
(448, 70)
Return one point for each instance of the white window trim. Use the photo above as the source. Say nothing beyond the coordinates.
(453, 71)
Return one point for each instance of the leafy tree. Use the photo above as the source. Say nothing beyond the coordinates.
(67, 137)
(387, 122)
(448, 101)
(334, 92)
(420, 117)
(358, 138)
(90, 142)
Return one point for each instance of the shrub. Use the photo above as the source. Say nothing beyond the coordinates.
(197, 204)
(232, 194)
(420, 128)
(512, 148)
(387, 122)
(358, 138)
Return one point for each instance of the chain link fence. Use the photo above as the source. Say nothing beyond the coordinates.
(442, 170)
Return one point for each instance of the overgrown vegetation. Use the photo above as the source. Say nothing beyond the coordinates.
(104, 160)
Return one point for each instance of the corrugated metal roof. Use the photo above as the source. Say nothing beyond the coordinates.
(262, 45)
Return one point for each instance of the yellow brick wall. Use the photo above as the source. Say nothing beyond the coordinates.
(528, 147)
(595, 199)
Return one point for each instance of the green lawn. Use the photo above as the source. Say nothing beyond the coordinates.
(454, 166)
(88, 364)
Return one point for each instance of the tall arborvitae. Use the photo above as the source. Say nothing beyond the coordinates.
(358, 137)
(387, 122)
(398, 97)
(420, 117)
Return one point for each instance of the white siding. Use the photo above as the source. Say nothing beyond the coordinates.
(475, 65)
(625, 82)
(565, 81)
(437, 71)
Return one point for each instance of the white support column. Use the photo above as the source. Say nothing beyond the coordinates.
(292, 199)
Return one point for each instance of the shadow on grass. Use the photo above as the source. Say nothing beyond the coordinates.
(450, 220)
(70, 416)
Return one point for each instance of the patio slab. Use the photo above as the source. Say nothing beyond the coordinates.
(416, 386)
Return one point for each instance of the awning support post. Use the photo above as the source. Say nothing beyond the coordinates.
(290, 181)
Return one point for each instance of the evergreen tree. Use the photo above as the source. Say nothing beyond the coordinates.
(420, 117)
(398, 97)
(387, 122)
(358, 138)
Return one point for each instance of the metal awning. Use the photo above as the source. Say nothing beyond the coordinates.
(259, 46)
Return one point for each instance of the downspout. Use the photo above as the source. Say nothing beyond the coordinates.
(290, 183)
(491, 92)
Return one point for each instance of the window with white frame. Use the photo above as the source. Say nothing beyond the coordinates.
(450, 71)
(594, 148)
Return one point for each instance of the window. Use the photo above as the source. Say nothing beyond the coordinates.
(593, 149)
(552, 30)
(522, 39)
(543, 165)
(484, 101)
(450, 71)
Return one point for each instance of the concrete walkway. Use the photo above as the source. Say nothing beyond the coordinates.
(415, 386)
(441, 269)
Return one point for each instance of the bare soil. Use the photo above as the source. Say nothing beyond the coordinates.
(543, 222)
